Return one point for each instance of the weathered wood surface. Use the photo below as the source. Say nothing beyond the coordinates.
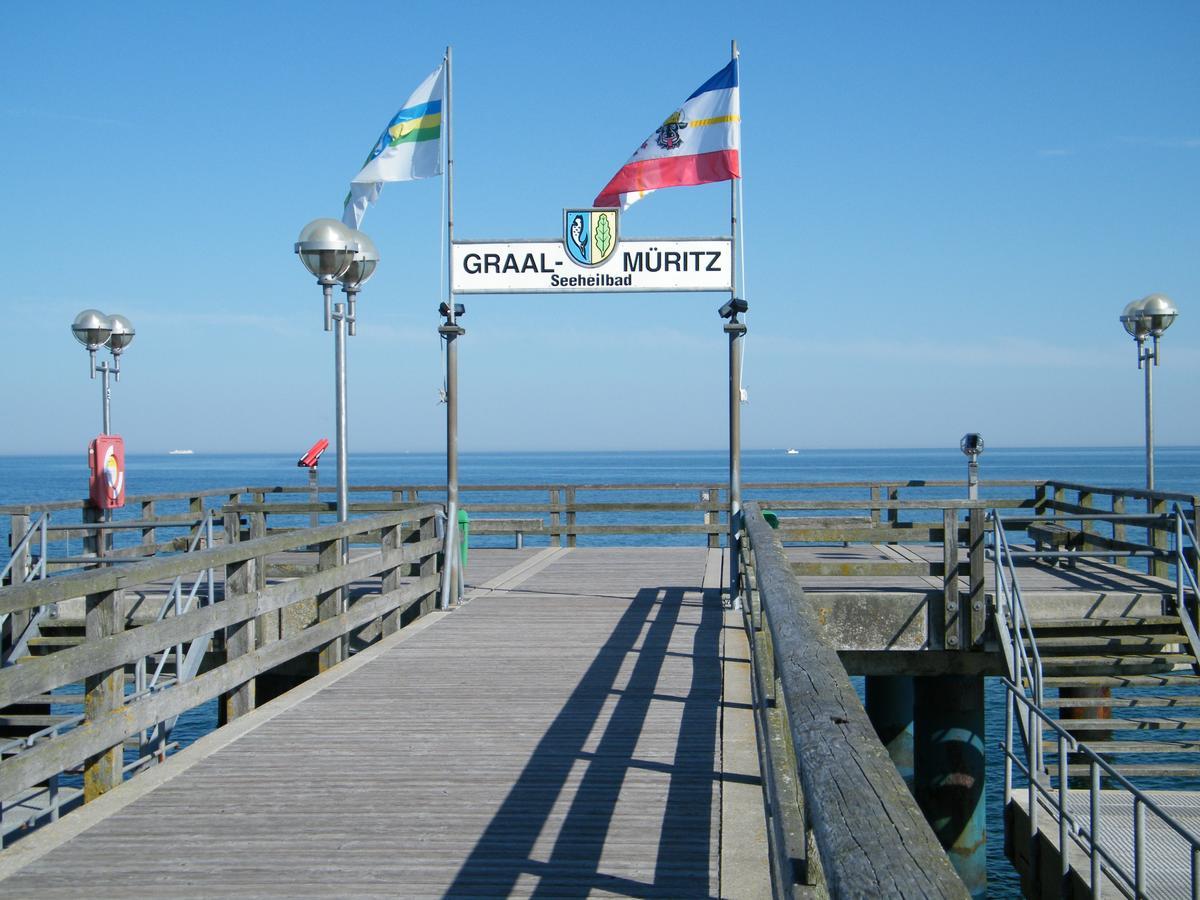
(872, 839)
(560, 735)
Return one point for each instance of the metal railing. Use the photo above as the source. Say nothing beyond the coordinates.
(1095, 833)
(1015, 631)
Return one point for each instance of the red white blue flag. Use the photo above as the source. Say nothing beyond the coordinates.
(697, 144)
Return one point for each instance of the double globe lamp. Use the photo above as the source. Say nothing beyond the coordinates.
(1146, 320)
(94, 330)
(336, 254)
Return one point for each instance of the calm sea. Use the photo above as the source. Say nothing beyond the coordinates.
(45, 478)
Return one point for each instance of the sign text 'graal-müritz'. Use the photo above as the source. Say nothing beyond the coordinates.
(591, 257)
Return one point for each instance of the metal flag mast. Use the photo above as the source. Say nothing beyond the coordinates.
(737, 334)
(450, 331)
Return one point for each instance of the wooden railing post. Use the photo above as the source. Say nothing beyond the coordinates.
(976, 557)
(1159, 535)
(93, 538)
(710, 518)
(104, 693)
(18, 525)
(429, 564)
(240, 638)
(570, 500)
(389, 541)
(150, 534)
(329, 603)
(1118, 507)
(893, 514)
(555, 535)
(1087, 526)
(946, 631)
(258, 528)
(875, 497)
(1039, 499)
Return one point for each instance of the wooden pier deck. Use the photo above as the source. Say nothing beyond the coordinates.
(560, 734)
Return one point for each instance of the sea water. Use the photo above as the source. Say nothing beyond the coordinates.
(34, 479)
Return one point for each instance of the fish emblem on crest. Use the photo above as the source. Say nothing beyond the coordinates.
(590, 235)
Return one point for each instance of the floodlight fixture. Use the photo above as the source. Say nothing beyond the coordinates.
(731, 309)
(459, 310)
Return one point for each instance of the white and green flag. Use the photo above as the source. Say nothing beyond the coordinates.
(409, 148)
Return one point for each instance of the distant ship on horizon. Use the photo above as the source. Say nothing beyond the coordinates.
(792, 451)
(180, 452)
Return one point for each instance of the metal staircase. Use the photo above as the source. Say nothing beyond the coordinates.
(1125, 685)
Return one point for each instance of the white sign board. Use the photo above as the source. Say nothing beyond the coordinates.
(542, 267)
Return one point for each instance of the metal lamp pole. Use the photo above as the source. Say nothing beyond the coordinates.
(327, 249)
(1146, 320)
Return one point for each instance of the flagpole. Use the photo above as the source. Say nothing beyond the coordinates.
(450, 332)
(736, 332)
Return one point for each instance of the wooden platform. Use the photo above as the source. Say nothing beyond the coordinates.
(559, 734)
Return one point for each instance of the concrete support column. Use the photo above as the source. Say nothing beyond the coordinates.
(949, 768)
(890, 708)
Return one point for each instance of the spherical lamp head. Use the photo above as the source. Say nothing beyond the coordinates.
(326, 249)
(91, 328)
(366, 258)
(1158, 312)
(971, 444)
(122, 333)
(1131, 318)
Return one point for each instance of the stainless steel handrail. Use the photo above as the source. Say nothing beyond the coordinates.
(1103, 858)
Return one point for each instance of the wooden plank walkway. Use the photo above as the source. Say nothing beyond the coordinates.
(559, 735)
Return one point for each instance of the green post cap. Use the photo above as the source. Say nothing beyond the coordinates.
(772, 519)
(464, 528)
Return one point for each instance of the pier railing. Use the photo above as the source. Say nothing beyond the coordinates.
(559, 514)
(830, 785)
(253, 627)
(1138, 528)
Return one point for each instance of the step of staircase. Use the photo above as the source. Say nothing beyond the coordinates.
(1138, 771)
(1120, 747)
(1133, 701)
(1099, 643)
(1122, 724)
(1119, 681)
(1118, 664)
(1114, 624)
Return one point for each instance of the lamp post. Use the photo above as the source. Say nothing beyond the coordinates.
(94, 330)
(1144, 319)
(972, 447)
(737, 333)
(334, 253)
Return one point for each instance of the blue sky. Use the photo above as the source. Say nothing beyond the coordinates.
(946, 207)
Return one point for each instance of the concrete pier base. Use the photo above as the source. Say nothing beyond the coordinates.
(890, 708)
(949, 767)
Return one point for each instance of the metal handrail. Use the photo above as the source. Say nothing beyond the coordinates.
(1087, 836)
(1183, 572)
(1024, 665)
(39, 570)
